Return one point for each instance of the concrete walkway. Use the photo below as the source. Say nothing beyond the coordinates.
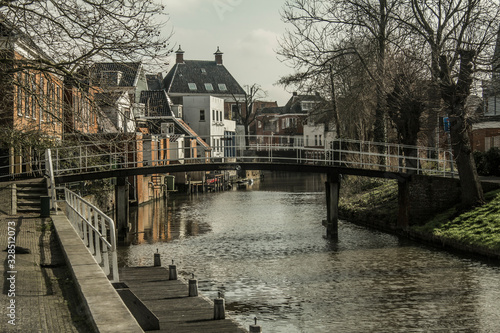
(46, 299)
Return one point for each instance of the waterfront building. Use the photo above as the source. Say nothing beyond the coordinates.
(31, 102)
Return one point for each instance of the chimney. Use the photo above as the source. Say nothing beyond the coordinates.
(218, 56)
(179, 56)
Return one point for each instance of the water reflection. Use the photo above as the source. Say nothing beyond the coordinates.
(265, 250)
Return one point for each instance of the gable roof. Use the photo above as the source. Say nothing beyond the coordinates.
(123, 74)
(496, 55)
(189, 131)
(156, 102)
(200, 72)
(14, 33)
(294, 103)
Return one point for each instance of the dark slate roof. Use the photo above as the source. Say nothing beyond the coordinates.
(201, 72)
(115, 74)
(157, 103)
(10, 30)
(496, 55)
(294, 103)
(154, 81)
(273, 110)
(107, 99)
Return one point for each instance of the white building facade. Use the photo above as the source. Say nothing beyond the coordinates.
(205, 115)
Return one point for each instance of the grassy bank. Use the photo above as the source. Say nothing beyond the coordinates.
(479, 227)
(376, 204)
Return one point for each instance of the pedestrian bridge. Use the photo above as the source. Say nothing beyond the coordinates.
(99, 160)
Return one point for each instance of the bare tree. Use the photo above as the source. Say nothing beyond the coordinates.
(246, 112)
(459, 37)
(60, 37)
(326, 30)
(76, 32)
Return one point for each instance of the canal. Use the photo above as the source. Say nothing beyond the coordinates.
(264, 248)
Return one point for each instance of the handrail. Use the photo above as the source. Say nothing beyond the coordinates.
(103, 156)
(272, 149)
(51, 183)
(96, 230)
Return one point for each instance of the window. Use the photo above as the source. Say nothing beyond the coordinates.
(306, 106)
(307, 141)
(202, 115)
(216, 115)
(57, 113)
(222, 87)
(33, 98)
(27, 101)
(259, 124)
(315, 140)
(192, 86)
(320, 140)
(19, 94)
(221, 116)
(235, 111)
(209, 87)
(203, 71)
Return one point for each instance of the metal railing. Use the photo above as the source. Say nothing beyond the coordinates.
(96, 230)
(264, 149)
(103, 156)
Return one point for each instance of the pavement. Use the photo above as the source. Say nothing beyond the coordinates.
(38, 291)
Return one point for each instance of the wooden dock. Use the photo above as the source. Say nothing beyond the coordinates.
(169, 301)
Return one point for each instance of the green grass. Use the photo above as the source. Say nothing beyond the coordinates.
(477, 227)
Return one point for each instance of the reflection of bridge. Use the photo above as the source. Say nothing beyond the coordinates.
(129, 158)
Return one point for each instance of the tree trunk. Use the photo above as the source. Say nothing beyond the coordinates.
(454, 95)
(472, 192)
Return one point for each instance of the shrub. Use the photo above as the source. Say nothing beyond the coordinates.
(492, 157)
(481, 165)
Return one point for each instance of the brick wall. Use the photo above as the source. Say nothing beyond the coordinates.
(431, 195)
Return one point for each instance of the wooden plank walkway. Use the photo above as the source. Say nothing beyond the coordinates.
(169, 301)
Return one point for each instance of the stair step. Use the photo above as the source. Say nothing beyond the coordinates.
(28, 203)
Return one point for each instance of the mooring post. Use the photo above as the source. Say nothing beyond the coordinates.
(255, 328)
(332, 205)
(172, 271)
(193, 287)
(157, 259)
(403, 203)
(122, 207)
(219, 308)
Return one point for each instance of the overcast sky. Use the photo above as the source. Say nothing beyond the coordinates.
(247, 32)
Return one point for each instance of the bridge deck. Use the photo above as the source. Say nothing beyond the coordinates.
(168, 300)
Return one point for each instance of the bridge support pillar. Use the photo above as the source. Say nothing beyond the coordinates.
(332, 186)
(403, 204)
(122, 207)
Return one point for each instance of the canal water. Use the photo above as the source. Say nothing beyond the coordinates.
(264, 248)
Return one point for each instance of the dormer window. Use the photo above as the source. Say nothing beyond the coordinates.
(222, 87)
(111, 78)
(307, 106)
(192, 86)
(203, 71)
(209, 87)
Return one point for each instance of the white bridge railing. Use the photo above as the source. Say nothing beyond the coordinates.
(271, 149)
(96, 230)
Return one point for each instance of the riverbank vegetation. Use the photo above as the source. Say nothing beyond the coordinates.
(376, 203)
(478, 227)
(369, 200)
